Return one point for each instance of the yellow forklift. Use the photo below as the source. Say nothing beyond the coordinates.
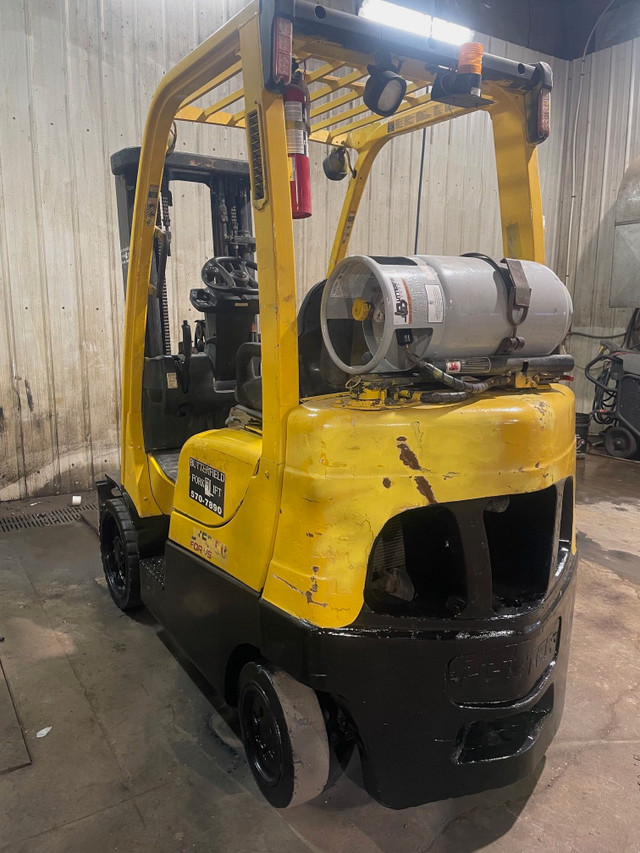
(356, 519)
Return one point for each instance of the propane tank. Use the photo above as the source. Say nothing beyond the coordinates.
(443, 308)
(296, 114)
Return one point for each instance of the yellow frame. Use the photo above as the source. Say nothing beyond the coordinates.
(235, 49)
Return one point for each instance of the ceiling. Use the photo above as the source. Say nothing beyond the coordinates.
(558, 27)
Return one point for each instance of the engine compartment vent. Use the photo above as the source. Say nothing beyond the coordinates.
(417, 565)
(516, 548)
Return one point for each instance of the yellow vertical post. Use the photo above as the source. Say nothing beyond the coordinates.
(275, 252)
(352, 201)
(135, 472)
(518, 181)
(194, 71)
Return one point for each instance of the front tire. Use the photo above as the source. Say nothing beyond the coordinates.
(284, 735)
(120, 556)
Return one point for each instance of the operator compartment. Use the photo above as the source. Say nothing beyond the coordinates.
(189, 386)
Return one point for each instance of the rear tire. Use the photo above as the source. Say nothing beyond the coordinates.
(620, 442)
(120, 556)
(284, 735)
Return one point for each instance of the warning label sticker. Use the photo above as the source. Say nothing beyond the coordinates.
(436, 303)
(151, 205)
(206, 486)
(295, 121)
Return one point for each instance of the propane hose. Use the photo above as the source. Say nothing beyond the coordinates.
(460, 388)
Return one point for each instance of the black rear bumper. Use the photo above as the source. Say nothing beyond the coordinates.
(440, 709)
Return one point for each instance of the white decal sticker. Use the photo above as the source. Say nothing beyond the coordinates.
(436, 303)
(337, 289)
(294, 117)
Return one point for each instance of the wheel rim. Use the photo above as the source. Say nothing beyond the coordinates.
(262, 736)
(620, 443)
(116, 560)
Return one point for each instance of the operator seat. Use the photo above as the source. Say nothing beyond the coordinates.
(318, 374)
(248, 378)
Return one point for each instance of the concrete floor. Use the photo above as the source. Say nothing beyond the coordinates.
(136, 762)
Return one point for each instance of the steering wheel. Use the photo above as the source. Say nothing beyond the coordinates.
(229, 274)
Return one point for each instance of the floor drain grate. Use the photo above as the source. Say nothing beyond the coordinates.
(64, 515)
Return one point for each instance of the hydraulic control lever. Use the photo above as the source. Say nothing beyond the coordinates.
(183, 365)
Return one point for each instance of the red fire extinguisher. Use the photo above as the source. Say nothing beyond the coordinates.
(296, 113)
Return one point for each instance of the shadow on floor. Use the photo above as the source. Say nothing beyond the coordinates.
(462, 825)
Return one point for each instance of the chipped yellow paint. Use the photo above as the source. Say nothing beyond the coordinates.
(208, 547)
(348, 471)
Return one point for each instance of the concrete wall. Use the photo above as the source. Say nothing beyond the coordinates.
(77, 80)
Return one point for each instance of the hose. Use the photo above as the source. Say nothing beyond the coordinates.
(461, 389)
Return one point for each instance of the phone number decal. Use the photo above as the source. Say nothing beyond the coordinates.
(206, 486)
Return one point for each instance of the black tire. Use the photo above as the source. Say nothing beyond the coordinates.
(120, 557)
(284, 735)
(620, 442)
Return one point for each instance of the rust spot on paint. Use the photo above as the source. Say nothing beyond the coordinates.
(386, 483)
(407, 456)
(313, 588)
(310, 535)
(309, 594)
(424, 487)
(401, 438)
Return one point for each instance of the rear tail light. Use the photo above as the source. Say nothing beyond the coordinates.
(544, 114)
(282, 52)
